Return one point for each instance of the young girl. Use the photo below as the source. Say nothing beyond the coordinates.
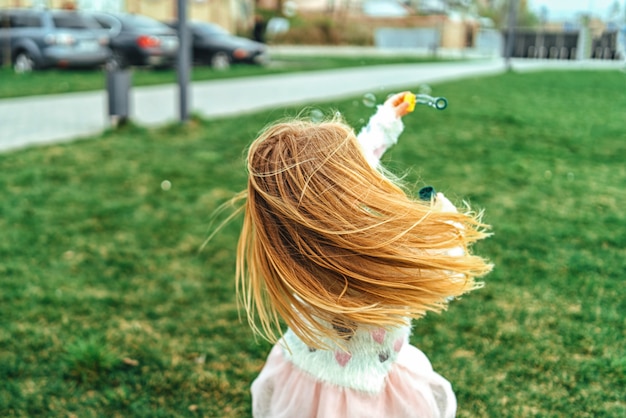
(333, 247)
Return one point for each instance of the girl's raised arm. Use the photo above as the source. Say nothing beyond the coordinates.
(383, 128)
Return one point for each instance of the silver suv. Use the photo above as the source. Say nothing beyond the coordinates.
(40, 38)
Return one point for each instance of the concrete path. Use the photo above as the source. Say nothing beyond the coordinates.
(54, 118)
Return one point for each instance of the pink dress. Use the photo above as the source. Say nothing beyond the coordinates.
(379, 376)
(376, 374)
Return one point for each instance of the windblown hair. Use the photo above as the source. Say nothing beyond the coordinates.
(328, 238)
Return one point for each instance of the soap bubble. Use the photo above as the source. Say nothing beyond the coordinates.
(166, 185)
(369, 100)
(290, 8)
(424, 89)
(316, 115)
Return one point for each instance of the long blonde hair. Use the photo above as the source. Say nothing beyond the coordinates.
(328, 238)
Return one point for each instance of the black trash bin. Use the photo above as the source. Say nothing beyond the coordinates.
(118, 90)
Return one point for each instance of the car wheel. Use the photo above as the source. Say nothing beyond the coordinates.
(23, 63)
(220, 61)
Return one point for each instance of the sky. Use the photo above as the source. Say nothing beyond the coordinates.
(559, 9)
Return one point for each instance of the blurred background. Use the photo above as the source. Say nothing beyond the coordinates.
(108, 307)
(545, 29)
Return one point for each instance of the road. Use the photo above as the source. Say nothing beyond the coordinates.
(54, 118)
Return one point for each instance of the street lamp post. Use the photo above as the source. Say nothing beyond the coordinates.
(511, 33)
(184, 61)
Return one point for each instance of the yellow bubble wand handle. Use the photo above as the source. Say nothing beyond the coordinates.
(438, 103)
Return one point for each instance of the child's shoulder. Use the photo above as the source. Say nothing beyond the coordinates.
(360, 360)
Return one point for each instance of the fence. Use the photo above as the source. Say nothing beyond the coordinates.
(564, 45)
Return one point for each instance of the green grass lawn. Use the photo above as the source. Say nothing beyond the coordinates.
(69, 81)
(107, 307)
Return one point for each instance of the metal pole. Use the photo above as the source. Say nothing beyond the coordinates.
(6, 47)
(511, 33)
(184, 61)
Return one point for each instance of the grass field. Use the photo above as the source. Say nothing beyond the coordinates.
(108, 308)
(70, 81)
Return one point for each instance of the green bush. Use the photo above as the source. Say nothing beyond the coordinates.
(325, 30)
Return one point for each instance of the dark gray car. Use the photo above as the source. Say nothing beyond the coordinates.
(215, 46)
(40, 38)
(138, 40)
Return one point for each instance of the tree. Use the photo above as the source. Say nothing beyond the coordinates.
(497, 11)
(615, 12)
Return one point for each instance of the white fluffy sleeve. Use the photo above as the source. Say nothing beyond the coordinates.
(381, 132)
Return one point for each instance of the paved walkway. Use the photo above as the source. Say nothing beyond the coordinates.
(54, 118)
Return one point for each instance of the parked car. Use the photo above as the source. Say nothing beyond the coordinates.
(138, 40)
(215, 46)
(40, 38)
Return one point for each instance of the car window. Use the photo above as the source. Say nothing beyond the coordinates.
(107, 22)
(72, 21)
(104, 22)
(25, 21)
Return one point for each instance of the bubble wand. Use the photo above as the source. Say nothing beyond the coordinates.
(438, 103)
